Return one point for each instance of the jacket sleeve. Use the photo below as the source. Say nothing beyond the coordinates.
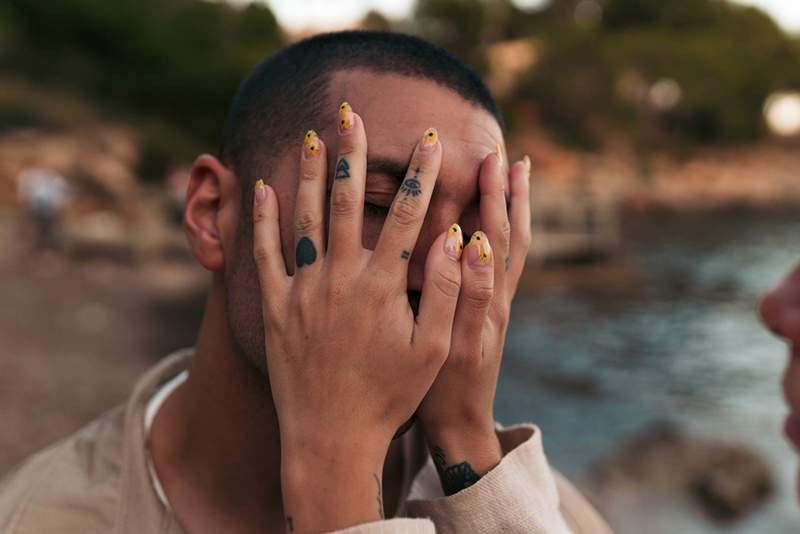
(521, 494)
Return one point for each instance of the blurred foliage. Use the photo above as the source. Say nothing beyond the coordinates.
(598, 61)
(170, 67)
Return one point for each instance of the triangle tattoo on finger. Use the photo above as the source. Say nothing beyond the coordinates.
(342, 169)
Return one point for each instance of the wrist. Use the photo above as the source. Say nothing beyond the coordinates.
(329, 486)
(480, 447)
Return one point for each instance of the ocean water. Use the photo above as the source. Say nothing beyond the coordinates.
(685, 346)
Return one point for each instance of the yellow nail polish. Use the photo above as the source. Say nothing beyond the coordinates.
(481, 251)
(498, 150)
(345, 116)
(527, 161)
(429, 138)
(311, 144)
(454, 242)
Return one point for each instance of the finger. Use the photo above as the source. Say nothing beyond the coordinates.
(347, 194)
(477, 291)
(402, 226)
(520, 219)
(267, 245)
(310, 206)
(440, 291)
(493, 213)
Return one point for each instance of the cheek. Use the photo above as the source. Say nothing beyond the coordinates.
(243, 310)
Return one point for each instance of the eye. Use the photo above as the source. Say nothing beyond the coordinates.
(375, 210)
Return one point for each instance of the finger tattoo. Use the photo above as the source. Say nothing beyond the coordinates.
(405, 255)
(306, 253)
(342, 169)
(411, 186)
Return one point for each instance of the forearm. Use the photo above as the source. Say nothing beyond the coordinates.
(326, 488)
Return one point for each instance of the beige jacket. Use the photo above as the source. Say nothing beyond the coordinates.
(97, 481)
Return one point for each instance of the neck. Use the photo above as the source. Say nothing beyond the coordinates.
(215, 441)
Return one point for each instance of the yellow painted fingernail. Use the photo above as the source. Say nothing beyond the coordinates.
(429, 139)
(454, 242)
(260, 191)
(527, 161)
(311, 144)
(480, 251)
(345, 116)
(498, 150)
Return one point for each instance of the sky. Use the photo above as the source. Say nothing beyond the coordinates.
(328, 14)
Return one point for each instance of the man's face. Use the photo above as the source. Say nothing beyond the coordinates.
(396, 110)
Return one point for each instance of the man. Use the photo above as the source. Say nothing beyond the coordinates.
(780, 312)
(373, 310)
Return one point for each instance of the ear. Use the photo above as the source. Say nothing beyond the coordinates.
(202, 217)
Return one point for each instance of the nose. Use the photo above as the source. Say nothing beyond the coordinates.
(769, 311)
(780, 309)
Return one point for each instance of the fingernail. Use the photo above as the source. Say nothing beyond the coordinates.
(429, 139)
(527, 161)
(345, 117)
(311, 145)
(260, 191)
(479, 252)
(498, 150)
(454, 242)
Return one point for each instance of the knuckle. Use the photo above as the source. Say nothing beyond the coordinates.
(260, 254)
(479, 295)
(308, 174)
(406, 212)
(437, 349)
(448, 283)
(305, 222)
(344, 201)
(505, 233)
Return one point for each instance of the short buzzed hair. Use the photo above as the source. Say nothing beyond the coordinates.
(287, 93)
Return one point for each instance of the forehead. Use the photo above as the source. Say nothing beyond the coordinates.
(397, 109)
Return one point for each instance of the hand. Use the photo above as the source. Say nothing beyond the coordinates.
(457, 413)
(347, 362)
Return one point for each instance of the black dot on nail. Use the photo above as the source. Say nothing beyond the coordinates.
(477, 238)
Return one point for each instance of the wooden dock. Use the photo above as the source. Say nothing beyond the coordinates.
(573, 226)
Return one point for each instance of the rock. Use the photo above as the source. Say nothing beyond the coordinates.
(727, 480)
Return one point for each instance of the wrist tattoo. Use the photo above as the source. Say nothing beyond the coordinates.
(342, 170)
(405, 255)
(507, 261)
(454, 478)
(411, 186)
(380, 496)
(289, 523)
(306, 253)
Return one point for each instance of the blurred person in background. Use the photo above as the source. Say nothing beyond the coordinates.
(344, 373)
(780, 312)
(43, 194)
